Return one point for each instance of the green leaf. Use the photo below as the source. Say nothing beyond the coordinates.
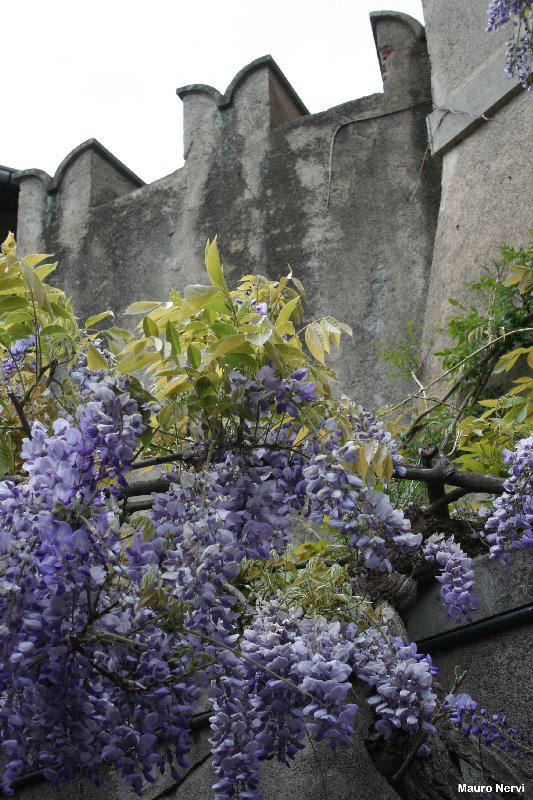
(243, 310)
(287, 310)
(6, 459)
(54, 330)
(173, 338)
(12, 303)
(214, 267)
(136, 361)
(44, 270)
(95, 360)
(36, 258)
(240, 360)
(259, 339)
(198, 296)
(142, 307)
(299, 287)
(222, 329)
(149, 327)
(34, 284)
(230, 343)
(204, 386)
(90, 321)
(195, 356)
(289, 351)
(314, 339)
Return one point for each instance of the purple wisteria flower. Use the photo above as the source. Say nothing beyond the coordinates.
(294, 678)
(519, 62)
(510, 527)
(18, 353)
(364, 516)
(86, 677)
(456, 575)
(399, 681)
(492, 729)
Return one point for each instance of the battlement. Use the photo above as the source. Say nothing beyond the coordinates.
(327, 192)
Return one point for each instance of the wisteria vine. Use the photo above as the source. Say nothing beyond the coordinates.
(114, 627)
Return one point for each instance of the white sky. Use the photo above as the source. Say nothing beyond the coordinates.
(109, 69)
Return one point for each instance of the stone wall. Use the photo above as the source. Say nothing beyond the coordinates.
(481, 128)
(345, 197)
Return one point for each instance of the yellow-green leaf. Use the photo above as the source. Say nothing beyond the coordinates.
(259, 339)
(90, 321)
(142, 307)
(6, 459)
(9, 246)
(10, 283)
(176, 386)
(34, 284)
(12, 303)
(222, 329)
(314, 339)
(214, 267)
(229, 343)
(286, 311)
(36, 258)
(150, 328)
(195, 356)
(44, 270)
(300, 436)
(173, 338)
(136, 361)
(95, 360)
(345, 328)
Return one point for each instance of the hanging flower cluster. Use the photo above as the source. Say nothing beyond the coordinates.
(510, 527)
(520, 43)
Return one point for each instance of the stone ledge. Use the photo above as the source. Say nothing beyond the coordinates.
(471, 105)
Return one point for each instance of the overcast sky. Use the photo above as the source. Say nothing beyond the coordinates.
(109, 69)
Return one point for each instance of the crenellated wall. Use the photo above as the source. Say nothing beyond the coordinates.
(345, 197)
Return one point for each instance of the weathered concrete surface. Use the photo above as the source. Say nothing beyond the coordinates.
(471, 105)
(458, 45)
(487, 191)
(345, 197)
(113, 788)
(344, 774)
(498, 589)
(498, 671)
(497, 662)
